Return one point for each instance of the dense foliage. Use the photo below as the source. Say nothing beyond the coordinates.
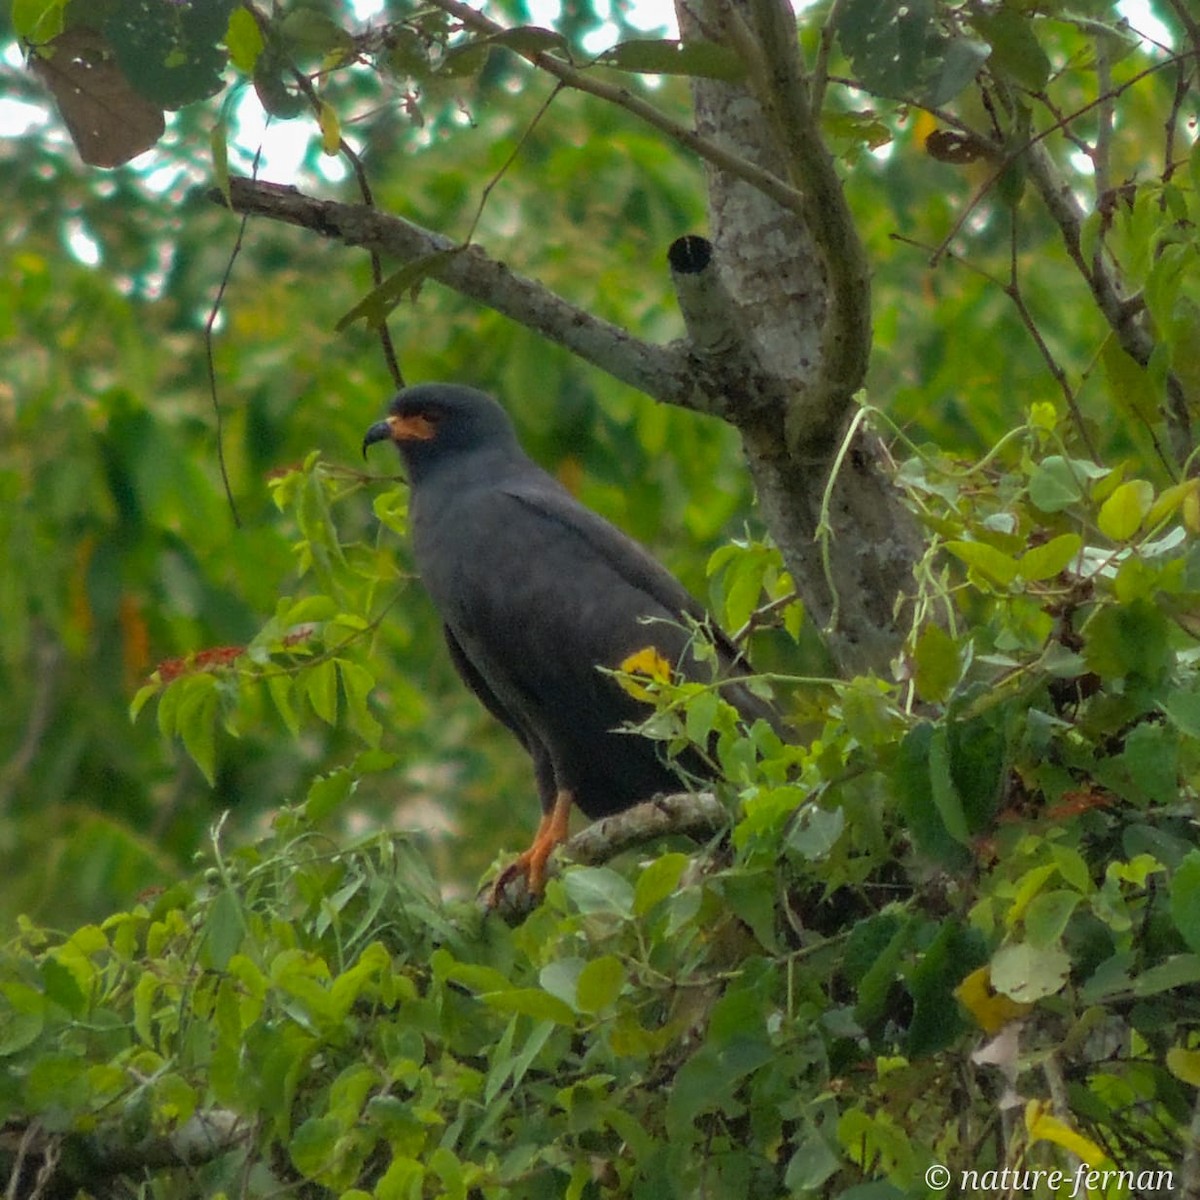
(956, 925)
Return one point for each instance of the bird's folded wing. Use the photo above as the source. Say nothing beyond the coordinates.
(635, 565)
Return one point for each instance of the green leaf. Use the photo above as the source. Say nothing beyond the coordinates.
(312, 1145)
(306, 30)
(1026, 973)
(327, 793)
(224, 928)
(961, 61)
(144, 994)
(38, 21)
(936, 663)
(61, 986)
(244, 39)
(813, 1162)
(751, 896)
(911, 777)
(599, 890)
(170, 53)
(946, 798)
(403, 1180)
(219, 146)
(1128, 640)
(1178, 971)
(196, 721)
(1048, 560)
(357, 684)
(529, 39)
(874, 992)
(888, 43)
(1130, 385)
(1055, 484)
(282, 687)
(1185, 899)
(1047, 914)
(561, 978)
(530, 1002)
(1182, 707)
(700, 716)
(1122, 513)
(815, 831)
(937, 1019)
(320, 685)
(670, 57)
(599, 984)
(476, 976)
(375, 307)
(140, 698)
(1015, 47)
(993, 564)
(658, 880)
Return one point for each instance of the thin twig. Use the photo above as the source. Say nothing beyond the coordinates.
(47, 658)
(820, 71)
(1102, 151)
(1013, 291)
(210, 358)
(504, 167)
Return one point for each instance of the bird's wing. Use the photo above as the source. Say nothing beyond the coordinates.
(636, 566)
(604, 543)
(469, 674)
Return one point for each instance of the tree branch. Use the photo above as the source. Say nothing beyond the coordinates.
(99, 1158)
(767, 182)
(846, 332)
(721, 348)
(1121, 314)
(664, 372)
(696, 815)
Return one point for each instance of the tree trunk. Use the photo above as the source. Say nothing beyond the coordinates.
(799, 288)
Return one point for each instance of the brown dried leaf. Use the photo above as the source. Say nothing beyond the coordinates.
(109, 122)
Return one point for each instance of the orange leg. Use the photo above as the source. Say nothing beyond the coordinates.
(551, 832)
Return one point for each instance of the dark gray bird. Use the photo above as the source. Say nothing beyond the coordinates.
(536, 593)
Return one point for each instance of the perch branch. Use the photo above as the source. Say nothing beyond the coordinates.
(698, 815)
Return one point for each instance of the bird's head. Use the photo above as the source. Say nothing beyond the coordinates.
(437, 423)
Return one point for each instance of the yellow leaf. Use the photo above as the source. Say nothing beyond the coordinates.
(1184, 1064)
(1121, 514)
(331, 128)
(992, 1010)
(1043, 1126)
(647, 662)
(1191, 511)
(1170, 500)
(1043, 416)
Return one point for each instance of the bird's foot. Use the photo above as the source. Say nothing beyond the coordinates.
(530, 865)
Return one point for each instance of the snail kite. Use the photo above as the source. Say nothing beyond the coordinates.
(536, 593)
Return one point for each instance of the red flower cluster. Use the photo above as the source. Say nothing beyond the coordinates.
(201, 660)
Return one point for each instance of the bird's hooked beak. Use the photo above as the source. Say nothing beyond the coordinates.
(412, 428)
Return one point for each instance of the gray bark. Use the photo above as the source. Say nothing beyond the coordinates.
(801, 285)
